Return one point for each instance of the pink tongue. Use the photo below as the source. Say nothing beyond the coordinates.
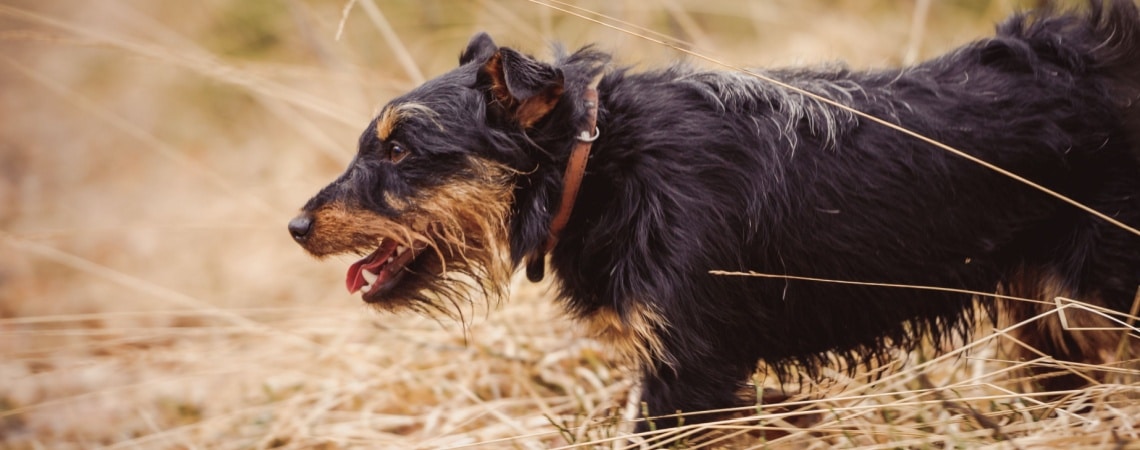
(372, 263)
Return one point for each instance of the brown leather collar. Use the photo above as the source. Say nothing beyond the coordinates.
(571, 182)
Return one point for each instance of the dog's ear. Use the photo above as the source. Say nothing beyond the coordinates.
(479, 48)
(523, 88)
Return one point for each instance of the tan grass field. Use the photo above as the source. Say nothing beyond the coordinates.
(152, 152)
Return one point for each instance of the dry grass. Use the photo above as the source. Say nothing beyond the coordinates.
(152, 152)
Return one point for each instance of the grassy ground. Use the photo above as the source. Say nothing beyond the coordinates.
(152, 152)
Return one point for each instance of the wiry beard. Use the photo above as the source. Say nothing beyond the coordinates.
(457, 231)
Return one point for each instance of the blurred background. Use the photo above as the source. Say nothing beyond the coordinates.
(151, 154)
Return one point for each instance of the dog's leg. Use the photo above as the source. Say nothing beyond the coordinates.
(682, 393)
(1059, 335)
(681, 377)
(1096, 264)
(676, 380)
(1072, 333)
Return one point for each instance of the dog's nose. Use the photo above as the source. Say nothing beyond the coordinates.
(300, 227)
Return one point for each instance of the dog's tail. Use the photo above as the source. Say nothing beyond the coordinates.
(1101, 45)
(1116, 25)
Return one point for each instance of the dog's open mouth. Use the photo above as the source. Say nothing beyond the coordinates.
(380, 272)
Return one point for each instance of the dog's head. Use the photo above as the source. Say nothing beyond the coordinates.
(453, 182)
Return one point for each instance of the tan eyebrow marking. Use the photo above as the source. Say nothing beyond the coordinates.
(391, 116)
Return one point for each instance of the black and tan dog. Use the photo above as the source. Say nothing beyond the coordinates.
(640, 187)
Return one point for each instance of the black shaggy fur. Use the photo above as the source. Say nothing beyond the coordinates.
(697, 171)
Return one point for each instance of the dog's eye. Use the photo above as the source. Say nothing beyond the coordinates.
(396, 152)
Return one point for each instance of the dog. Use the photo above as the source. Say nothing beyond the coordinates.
(633, 186)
